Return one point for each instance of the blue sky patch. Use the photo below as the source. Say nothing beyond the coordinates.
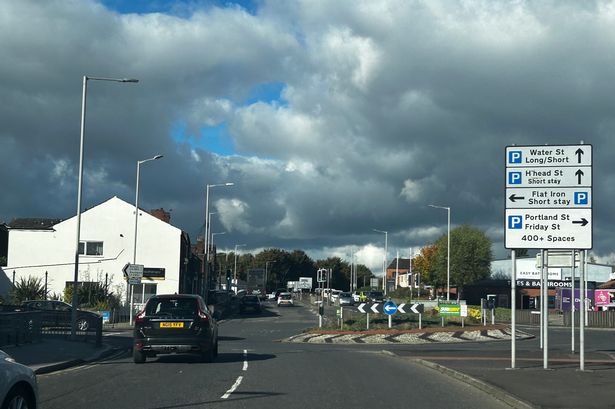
(180, 8)
(214, 139)
(268, 92)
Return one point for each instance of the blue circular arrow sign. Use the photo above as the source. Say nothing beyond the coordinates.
(390, 308)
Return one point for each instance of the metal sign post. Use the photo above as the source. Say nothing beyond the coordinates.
(545, 309)
(513, 308)
(572, 299)
(581, 314)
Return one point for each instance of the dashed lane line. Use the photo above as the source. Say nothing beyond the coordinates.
(239, 379)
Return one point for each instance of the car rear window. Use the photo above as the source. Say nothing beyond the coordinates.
(172, 307)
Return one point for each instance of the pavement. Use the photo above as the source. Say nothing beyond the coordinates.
(486, 367)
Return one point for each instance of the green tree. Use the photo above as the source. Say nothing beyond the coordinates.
(425, 264)
(470, 256)
(31, 288)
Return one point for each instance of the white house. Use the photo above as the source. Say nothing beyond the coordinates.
(106, 246)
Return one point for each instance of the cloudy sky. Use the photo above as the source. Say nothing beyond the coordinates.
(332, 118)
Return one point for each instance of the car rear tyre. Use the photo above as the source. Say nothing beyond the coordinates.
(138, 356)
(18, 397)
(83, 324)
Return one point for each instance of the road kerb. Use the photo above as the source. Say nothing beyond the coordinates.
(496, 392)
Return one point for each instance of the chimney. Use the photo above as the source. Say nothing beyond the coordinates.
(161, 214)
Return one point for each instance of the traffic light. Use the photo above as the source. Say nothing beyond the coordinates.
(321, 275)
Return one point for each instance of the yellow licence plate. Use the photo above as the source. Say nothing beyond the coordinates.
(171, 325)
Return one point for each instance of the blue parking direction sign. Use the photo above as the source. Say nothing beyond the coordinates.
(541, 177)
(549, 229)
(555, 198)
(549, 199)
(544, 155)
(389, 308)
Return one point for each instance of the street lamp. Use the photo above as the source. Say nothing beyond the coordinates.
(205, 267)
(134, 251)
(384, 260)
(266, 269)
(448, 251)
(212, 244)
(79, 190)
(235, 269)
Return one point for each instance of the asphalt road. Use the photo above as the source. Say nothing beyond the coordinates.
(254, 370)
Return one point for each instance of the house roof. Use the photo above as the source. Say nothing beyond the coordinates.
(608, 284)
(404, 264)
(33, 224)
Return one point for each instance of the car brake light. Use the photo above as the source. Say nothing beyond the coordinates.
(140, 317)
(203, 316)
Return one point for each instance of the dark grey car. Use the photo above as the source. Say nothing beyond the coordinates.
(178, 323)
(58, 314)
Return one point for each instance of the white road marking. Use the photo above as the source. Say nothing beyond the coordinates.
(233, 388)
(239, 379)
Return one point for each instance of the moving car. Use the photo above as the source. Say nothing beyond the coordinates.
(285, 299)
(58, 314)
(375, 296)
(249, 302)
(177, 323)
(346, 298)
(18, 387)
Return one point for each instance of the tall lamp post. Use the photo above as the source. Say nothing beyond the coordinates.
(448, 251)
(79, 190)
(212, 243)
(134, 251)
(235, 268)
(384, 260)
(206, 238)
(266, 272)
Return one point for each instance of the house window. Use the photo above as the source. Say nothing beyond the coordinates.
(143, 292)
(92, 248)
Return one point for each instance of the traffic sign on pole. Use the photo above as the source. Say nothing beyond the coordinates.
(548, 197)
(411, 308)
(389, 308)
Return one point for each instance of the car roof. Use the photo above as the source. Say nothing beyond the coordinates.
(176, 296)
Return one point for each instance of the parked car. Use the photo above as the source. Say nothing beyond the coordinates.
(18, 387)
(177, 323)
(285, 299)
(58, 314)
(249, 302)
(345, 298)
